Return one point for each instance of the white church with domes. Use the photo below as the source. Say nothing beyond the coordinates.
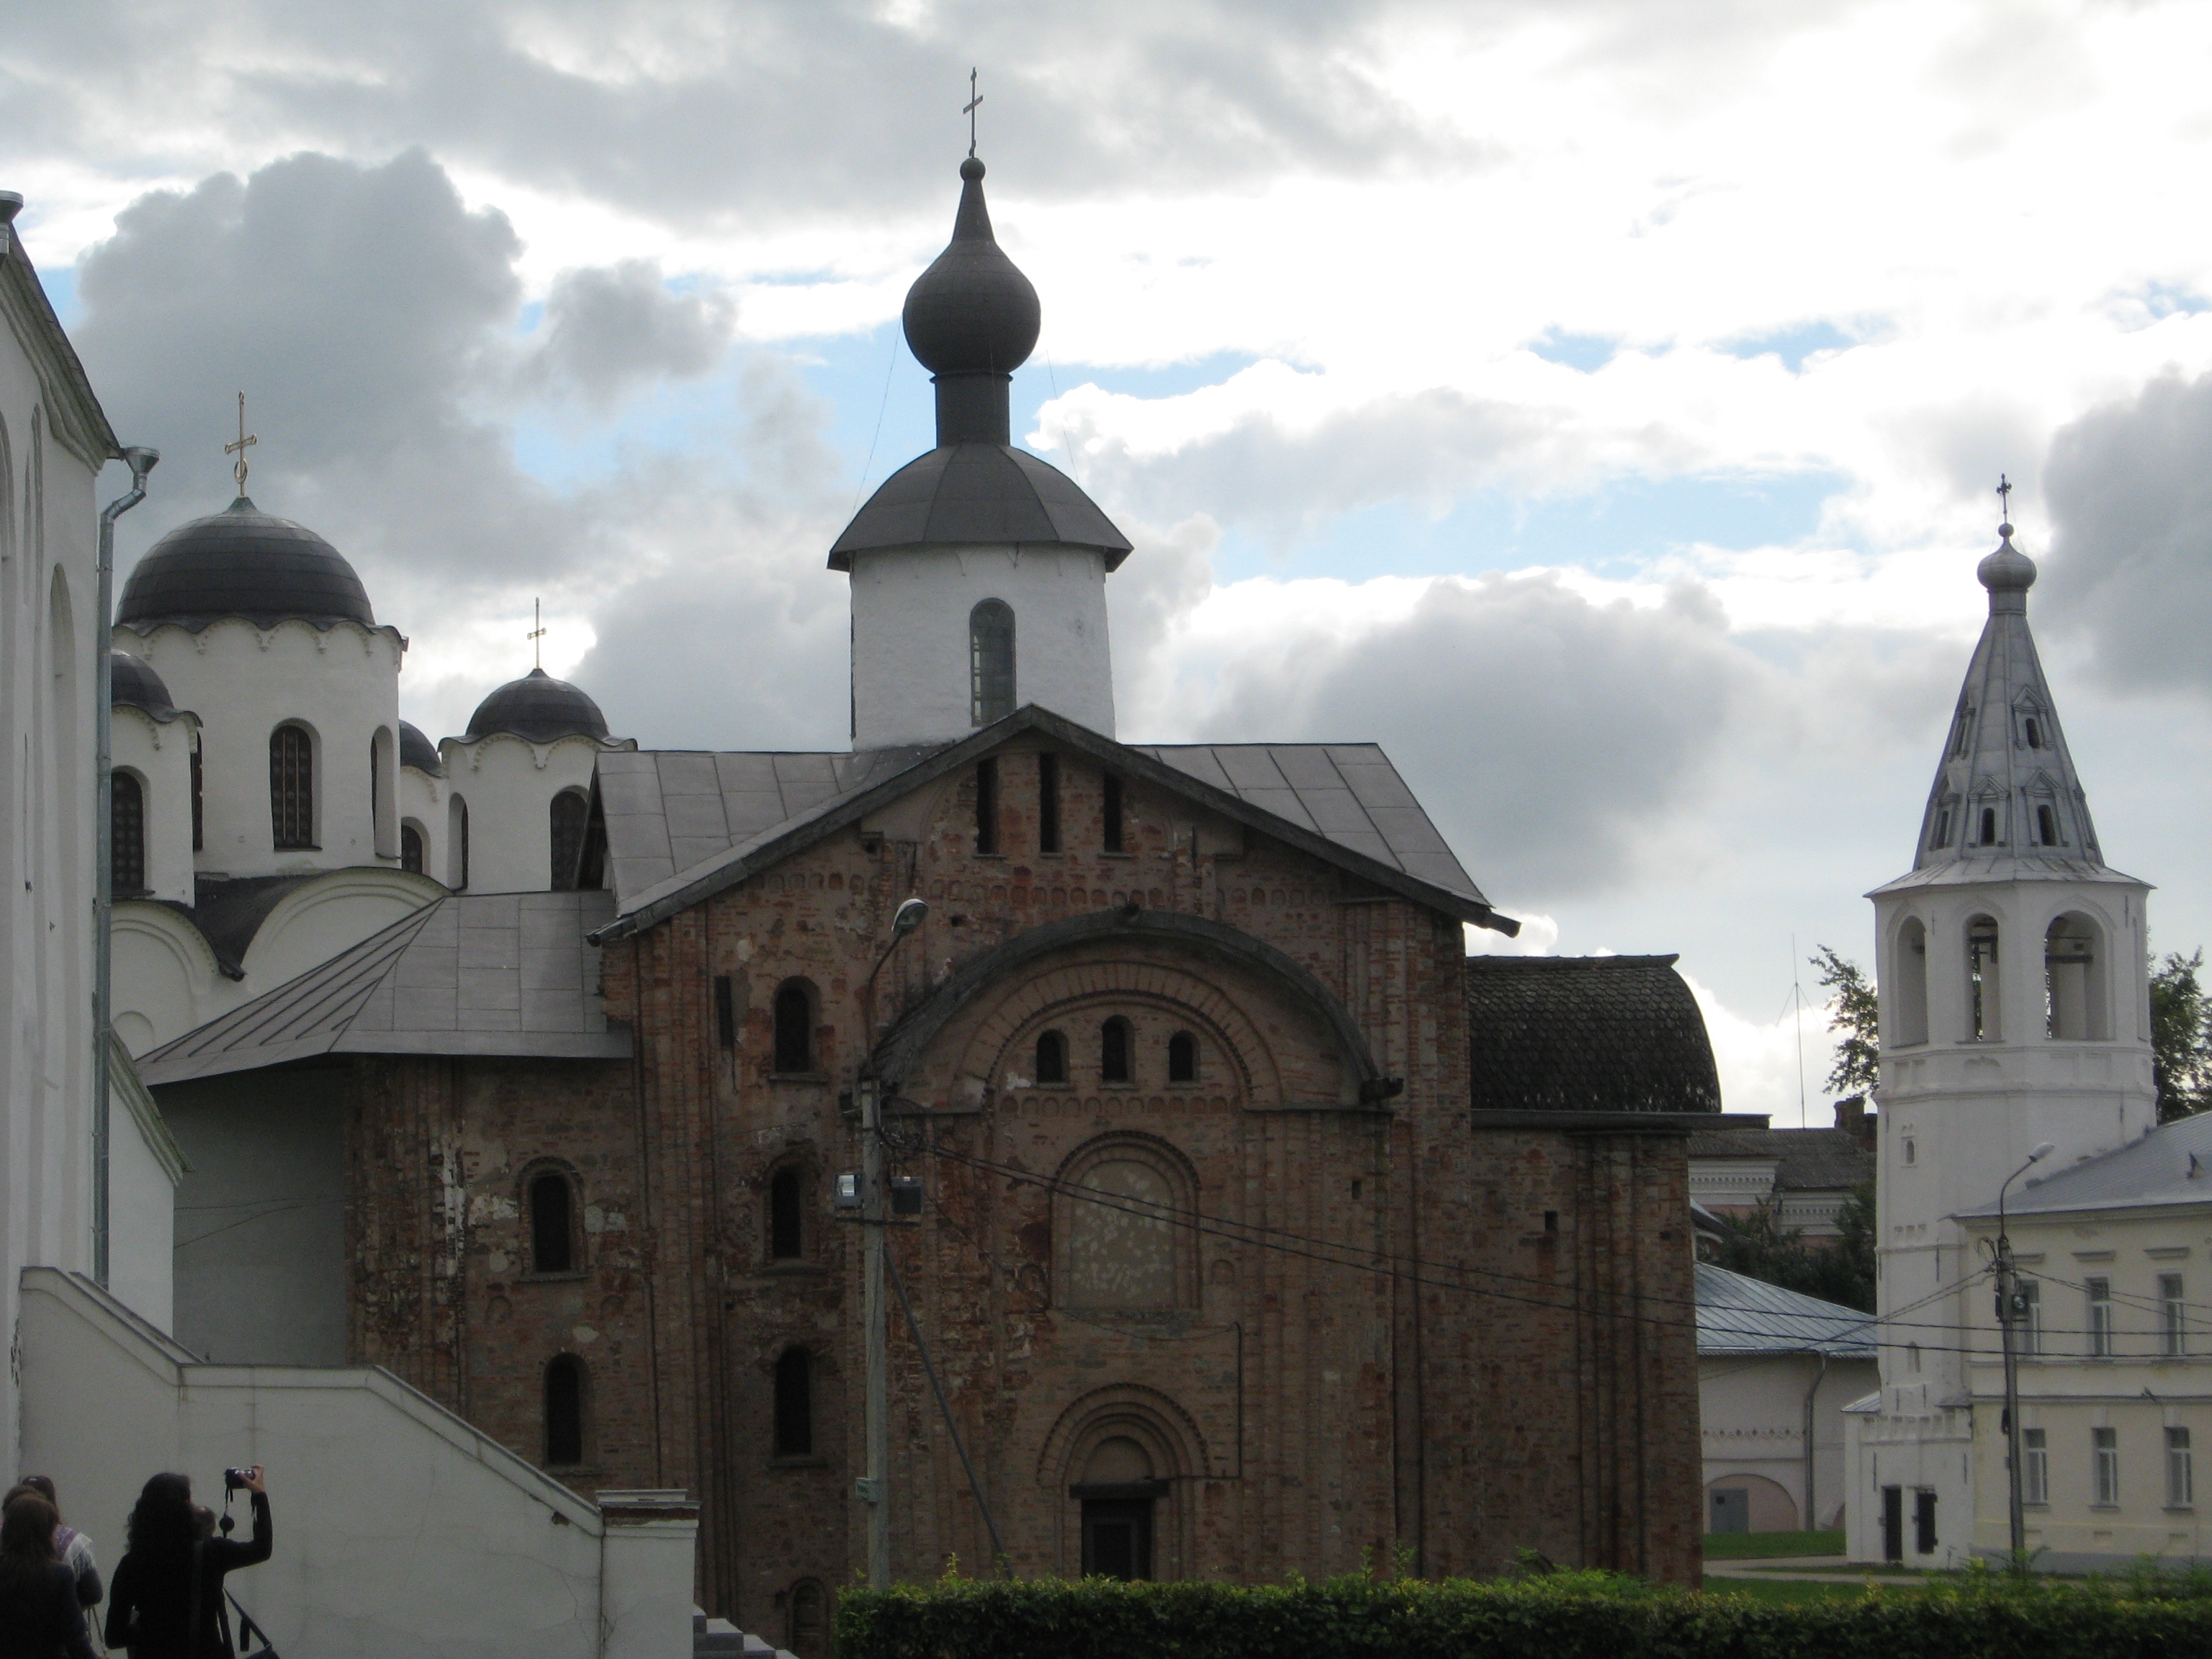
(272, 809)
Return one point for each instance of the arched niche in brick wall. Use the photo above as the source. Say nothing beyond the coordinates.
(1083, 1442)
(1123, 1238)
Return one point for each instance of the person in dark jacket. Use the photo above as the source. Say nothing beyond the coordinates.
(172, 1573)
(39, 1618)
(71, 1546)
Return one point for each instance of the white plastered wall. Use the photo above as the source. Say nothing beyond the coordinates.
(341, 683)
(910, 612)
(159, 754)
(399, 1529)
(421, 801)
(1752, 1412)
(509, 784)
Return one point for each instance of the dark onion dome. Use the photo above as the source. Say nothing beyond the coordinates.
(972, 312)
(979, 494)
(972, 319)
(243, 562)
(418, 751)
(134, 684)
(540, 708)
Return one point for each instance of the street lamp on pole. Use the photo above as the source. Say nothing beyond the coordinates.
(2011, 1306)
(875, 1311)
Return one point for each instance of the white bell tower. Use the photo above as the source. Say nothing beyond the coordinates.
(2014, 972)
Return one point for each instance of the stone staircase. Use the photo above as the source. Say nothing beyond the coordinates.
(721, 1639)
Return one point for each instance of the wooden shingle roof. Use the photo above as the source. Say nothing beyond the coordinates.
(1586, 1034)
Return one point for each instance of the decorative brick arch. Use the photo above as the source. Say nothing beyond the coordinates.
(1170, 1439)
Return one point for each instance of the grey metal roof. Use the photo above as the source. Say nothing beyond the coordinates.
(242, 563)
(416, 749)
(1737, 1315)
(1581, 1034)
(1348, 791)
(681, 824)
(979, 494)
(472, 974)
(134, 684)
(2171, 1164)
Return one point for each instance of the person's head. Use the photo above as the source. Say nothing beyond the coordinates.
(203, 1521)
(161, 1522)
(26, 1538)
(44, 1486)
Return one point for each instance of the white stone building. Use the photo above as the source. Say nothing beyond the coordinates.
(2013, 964)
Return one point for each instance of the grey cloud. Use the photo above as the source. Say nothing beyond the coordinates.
(609, 329)
(2129, 489)
(1549, 735)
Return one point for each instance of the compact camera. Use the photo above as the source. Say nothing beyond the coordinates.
(236, 1479)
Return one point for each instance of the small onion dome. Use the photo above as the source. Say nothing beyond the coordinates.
(2008, 570)
(134, 684)
(244, 562)
(540, 708)
(418, 751)
(972, 312)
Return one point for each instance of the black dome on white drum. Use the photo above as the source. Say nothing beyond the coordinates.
(246, 563)
(540, 708)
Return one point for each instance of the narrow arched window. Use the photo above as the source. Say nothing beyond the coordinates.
(569, 811)
(127, 837)
(198, 835)
(292, 787)
(1943, 835)
(1113, 1051)
(2046, 826)
(1183, 1058)
(552, 1224)
(795, 1028)
(410, 849)
(1989, 826)
(795, 1404)
(1983, 1003)
(457, 843)
(786, 1214)
(564, 1411)
(1052, 1057)
(2034, 733)
(990, 662)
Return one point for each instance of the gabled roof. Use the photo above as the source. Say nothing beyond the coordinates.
(472, 974)
(2171, 1165)
(1586, 1034)
(708, 820)
(1805, 1160)
(1738, 1314)
(73, 409)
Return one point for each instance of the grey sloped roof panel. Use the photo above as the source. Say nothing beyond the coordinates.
(2171, 1165)
(473, 973)
(1579, 1033)
(1347, 792)
(978, 495)
(1737, 1315)
(1805, 1160)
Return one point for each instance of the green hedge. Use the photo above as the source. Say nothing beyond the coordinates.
(1571, 1616)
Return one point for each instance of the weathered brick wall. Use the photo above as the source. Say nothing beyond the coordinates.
(1351, 1366)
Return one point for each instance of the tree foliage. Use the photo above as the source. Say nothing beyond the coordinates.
(2180, 1037)
(1760, 1246)
(1854, 1018)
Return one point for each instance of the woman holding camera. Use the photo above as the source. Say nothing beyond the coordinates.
(166, 1601)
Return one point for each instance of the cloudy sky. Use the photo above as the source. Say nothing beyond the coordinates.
(1597, 402)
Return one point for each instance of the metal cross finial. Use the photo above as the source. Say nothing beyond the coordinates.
(969, 110)
(536, 633)
(245, 441)
(2004, 497)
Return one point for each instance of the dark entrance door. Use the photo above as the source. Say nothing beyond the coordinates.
(1924, 1522)
(1731, 1510)
(1892, 1523)
(1117, 1537)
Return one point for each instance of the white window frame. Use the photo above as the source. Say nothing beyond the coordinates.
(2173, 1328)
(2034, 1466)
(2180, 1470)
(2031, 1328)
(2100, 1318)
(2104, 1450)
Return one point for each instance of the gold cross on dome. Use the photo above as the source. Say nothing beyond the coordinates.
(969, 110)
(536, 633)
(245, 442)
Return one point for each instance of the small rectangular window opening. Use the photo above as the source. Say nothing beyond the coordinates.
(1047, 802)
(2180, 1473)
(725, 1012)
(2046, 826)
(986, 805)
(2172, 1312)
(1113, 836)
(2106, 1443)
(2100, 1318)
(1551, 1221)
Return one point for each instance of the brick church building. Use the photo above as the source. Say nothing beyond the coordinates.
(1248, 1224)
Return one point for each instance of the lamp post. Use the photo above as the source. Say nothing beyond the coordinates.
(874, 1486)
(2010, 1306)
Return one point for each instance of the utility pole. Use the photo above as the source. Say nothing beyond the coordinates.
(875, 1485)
(2010, 1307)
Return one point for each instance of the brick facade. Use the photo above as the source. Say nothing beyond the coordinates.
(1525, 1377)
